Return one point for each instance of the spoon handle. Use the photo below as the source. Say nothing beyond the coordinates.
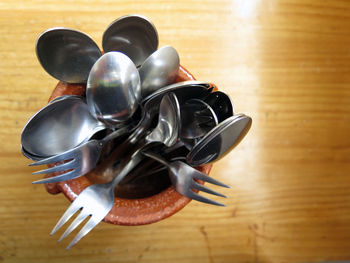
(140, 130)
(115, 134)
(136, 158)
(156, 157)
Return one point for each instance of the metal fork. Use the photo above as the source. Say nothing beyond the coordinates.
(184, 176)
(95, 201)
(77, 161)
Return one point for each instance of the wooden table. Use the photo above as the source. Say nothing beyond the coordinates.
(284, 63)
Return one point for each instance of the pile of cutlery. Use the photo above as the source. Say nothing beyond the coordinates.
(132, 100)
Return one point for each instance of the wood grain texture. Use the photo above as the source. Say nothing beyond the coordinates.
(285, 63)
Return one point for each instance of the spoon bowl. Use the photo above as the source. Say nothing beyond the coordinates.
(221, 104)
(160, 69)
(113, 88)
(169, 124)
(197, 119)
(133, 35)
(220, 140)
(66, 54)
(31, 156)
(60, 126)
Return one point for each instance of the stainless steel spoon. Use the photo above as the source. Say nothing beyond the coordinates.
(35, 157)
(133, 35)
(113, 89)
(31, 156)
(169, 123)
(221, 104)
(183, 90)
(197, 119)
(159, 69)
(66, 54)
(60, 126)
(220, 140)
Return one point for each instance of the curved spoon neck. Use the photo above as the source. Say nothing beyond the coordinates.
(155, 136)
(140, 130)
(114, 135)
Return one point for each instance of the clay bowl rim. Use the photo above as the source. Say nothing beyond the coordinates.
(127, 212)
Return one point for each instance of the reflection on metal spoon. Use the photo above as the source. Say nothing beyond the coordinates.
(159, 70)
(220, 140)
(66, 54)
(133, 35)
(58, 127)
(113, 88)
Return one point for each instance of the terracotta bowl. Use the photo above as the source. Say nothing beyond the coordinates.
(128, 209)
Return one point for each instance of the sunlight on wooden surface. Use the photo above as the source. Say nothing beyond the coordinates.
(284, 63)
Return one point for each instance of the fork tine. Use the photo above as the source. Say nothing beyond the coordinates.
(66, 216)
(203, 199)
(54, 159)
(58, 178)
(201, 176)
(57, 168)
(203, 188)
(80, 218)
(93, 221)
